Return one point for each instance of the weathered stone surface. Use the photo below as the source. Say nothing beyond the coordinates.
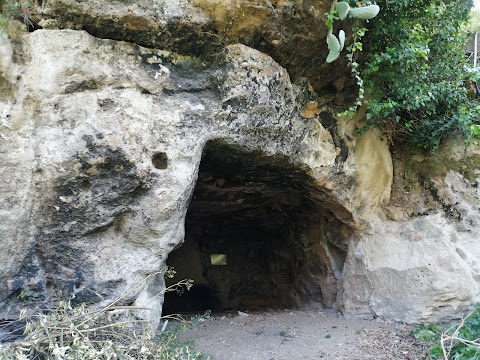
(421, 267)
(372, 158)
(292, 32)
(414, 271)
(106, 145)
(101, 145)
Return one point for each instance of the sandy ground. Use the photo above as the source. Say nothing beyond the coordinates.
(301, 334)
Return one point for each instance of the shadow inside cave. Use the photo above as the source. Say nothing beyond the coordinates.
(254, 238)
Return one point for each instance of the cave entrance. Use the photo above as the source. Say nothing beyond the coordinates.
(254, 238)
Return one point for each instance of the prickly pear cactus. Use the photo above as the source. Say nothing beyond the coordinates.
(333, 47)
(365, 12)
(343, 8)
(340, 10)
(341, 39)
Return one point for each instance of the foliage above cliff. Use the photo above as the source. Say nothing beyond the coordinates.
(10, 9)
(416, 74)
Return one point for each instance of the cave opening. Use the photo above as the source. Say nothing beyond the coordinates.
(255, 237)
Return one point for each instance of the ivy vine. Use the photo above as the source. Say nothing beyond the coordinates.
(414, 77)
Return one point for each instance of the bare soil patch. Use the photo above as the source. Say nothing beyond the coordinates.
(302, 334)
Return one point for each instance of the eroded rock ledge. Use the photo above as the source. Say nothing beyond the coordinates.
(292, 32)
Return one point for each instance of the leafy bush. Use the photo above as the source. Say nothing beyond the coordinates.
(458, 342)
(415, 73)
(428, 333)
(462, 341)
(14, 9)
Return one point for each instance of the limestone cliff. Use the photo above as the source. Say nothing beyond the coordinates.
(144, 126)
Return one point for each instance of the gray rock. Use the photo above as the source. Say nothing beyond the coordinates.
(292, 31)
(101, 149)
(101, 146)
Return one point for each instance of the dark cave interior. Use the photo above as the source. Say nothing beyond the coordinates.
(254, 238)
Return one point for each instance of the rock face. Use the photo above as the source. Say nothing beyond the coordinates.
(292, 32)
(102, 150)
(113, 155)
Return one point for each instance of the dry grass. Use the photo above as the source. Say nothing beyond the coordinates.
(462, 339)
(111, 332)
(390, 345)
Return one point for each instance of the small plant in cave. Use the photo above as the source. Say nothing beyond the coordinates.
(27, 294)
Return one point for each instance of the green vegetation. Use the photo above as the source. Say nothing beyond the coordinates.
(415, 73)
(474, 21)
(428, 333)
(458, 342)
(339, 11)
(12, 9)
(27, 294)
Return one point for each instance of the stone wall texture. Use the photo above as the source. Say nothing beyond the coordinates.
(107, 112)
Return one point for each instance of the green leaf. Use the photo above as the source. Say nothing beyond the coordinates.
(334, 48)
(365, 12)
(343, 9)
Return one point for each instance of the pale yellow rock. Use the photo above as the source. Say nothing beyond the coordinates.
(374, 172)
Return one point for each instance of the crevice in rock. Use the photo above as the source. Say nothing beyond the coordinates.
(31, 24)
(255, 239)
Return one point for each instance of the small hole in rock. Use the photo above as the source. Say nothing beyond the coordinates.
(78, 285)
(160, 160)
(85, 185)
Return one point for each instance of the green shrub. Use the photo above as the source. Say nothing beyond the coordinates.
(415, 73)
(428, 333)
(462, 341)
(13, 9)
(458, 342)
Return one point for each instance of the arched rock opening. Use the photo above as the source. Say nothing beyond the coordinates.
(254, 237)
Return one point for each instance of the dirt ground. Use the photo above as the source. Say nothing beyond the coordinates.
(301, 334)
